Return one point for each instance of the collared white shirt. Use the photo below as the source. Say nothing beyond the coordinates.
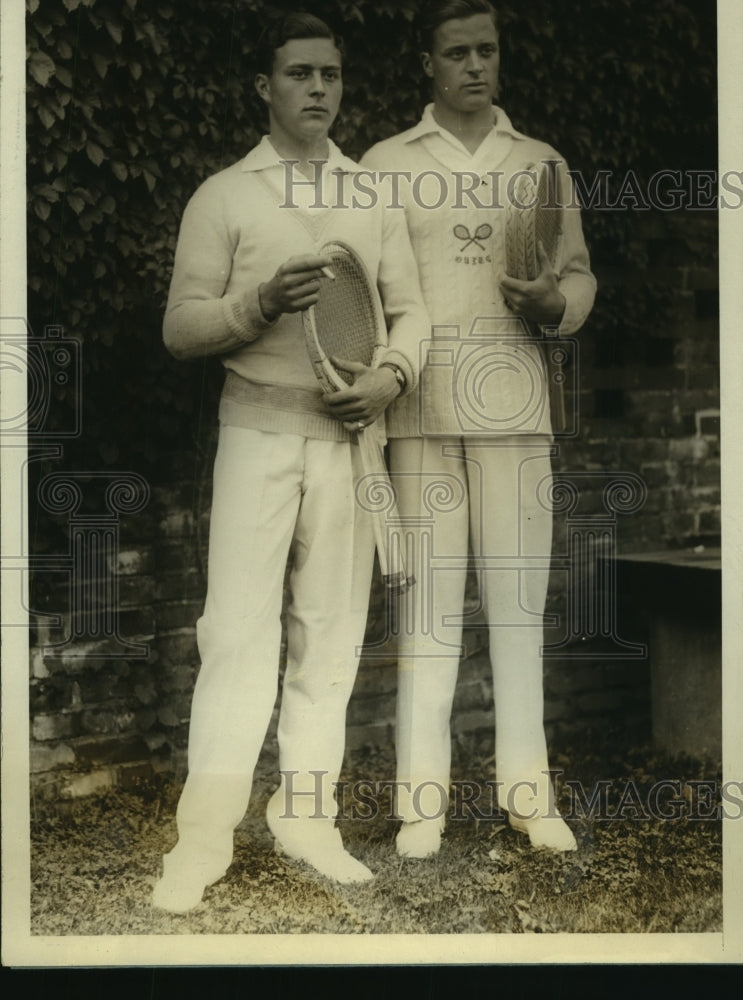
(452, 153)
(300, 190)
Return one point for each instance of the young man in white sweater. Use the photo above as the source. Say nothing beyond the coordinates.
(470, 449)
(246, 264)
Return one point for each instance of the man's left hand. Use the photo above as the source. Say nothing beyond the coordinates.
(540, 300)
(369, 396)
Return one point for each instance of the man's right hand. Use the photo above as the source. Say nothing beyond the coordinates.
(294, 287)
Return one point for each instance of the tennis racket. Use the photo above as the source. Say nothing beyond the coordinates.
(347, 321)
(533, 213)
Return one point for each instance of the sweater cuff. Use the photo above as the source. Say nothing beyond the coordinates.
(572, 319)
(389, 355)
(579, 294)
(244, 316)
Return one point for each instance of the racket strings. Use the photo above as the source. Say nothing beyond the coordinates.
(345, 317)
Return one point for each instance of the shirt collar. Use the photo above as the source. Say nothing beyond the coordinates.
(264, 156)
(428, 125)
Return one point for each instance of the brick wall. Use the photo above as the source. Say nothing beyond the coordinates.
(649, 399)
(648, 406)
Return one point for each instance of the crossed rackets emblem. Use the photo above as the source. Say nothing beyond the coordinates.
(482, 232)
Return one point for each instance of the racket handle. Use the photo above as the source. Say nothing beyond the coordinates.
(391, 562)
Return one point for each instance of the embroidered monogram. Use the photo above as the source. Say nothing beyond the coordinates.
(482, 232)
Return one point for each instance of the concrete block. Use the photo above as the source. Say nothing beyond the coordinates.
(43, 758)
(88, 784)
(52, 727)
(134, 562)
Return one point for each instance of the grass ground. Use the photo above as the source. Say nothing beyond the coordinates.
(94, 863)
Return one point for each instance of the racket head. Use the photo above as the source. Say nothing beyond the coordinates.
(347, 321)
(533, 214)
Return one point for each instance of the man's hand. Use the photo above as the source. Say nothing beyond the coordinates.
(294, 287)
(369, 396)
(540, 300)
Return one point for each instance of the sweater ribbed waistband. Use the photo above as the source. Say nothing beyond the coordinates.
(272, 396)
(280, 408)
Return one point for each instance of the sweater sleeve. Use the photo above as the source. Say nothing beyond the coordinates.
(201, 318)
(407, 318)
(575, 278)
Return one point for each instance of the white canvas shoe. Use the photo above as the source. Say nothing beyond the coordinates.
(182, 885)
(316, 841)
(551, 832)
(420, 839)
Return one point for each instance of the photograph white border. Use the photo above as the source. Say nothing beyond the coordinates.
(21, 949)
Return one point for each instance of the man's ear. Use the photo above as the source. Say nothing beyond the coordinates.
(426, 63)
(263, 87)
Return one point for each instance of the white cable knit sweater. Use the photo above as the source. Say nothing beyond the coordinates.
(458, 240)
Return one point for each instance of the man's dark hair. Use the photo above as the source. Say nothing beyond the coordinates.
(287, 28)
(436, 13)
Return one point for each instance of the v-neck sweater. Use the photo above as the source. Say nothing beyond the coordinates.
(237, 229)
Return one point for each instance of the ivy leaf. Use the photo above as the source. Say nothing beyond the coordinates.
(64, 76)
(115, 31)
(46, 117)
(95, 153)
(153, 167)
(48, 191)
(120, 171)
(41, 67)
(42, 209)
(101, 64)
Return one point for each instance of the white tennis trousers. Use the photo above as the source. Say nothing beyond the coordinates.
(494, 493)
(273, 493)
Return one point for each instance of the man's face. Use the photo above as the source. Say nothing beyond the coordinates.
(464, 63)
(304, 90)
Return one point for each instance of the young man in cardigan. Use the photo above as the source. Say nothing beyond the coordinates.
(246, 264)
(479, 424)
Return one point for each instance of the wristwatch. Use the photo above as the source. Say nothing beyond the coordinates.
(398, 373)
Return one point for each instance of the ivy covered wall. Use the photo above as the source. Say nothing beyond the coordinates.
(131, 104)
